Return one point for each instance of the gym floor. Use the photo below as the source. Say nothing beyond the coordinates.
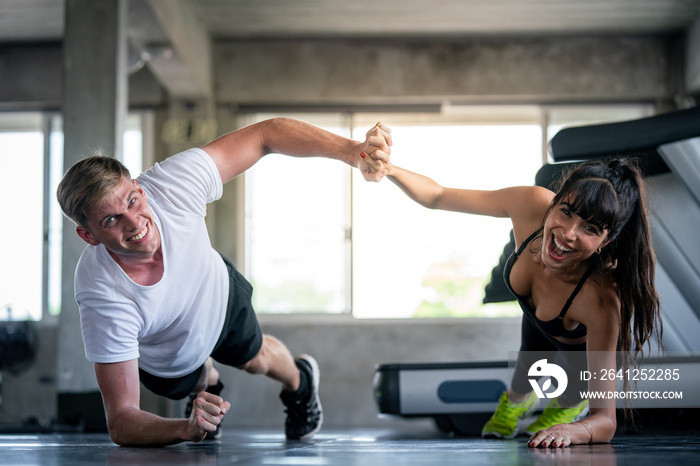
(343, 447)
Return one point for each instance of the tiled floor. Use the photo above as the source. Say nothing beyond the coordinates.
(343, 447)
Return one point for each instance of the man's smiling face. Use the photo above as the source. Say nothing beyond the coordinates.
(123, 222)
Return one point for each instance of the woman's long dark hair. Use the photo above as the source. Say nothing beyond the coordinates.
(611, 194)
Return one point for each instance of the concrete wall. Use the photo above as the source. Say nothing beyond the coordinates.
(544, 70)
(32, 78)
(572, 69)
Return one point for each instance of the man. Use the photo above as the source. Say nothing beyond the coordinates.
(157, 303)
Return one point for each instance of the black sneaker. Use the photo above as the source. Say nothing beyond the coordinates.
(216, 390)
(304, 413)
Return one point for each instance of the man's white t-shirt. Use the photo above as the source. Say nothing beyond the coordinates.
(172, 326)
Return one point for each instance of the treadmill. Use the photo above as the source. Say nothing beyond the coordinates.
(461, 397)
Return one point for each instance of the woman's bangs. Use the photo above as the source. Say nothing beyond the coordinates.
(594, 200)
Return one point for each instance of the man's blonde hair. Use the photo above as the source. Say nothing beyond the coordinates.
(87, 183)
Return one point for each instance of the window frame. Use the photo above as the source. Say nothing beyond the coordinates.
(545, 116)
(317, 118)
(49, 123)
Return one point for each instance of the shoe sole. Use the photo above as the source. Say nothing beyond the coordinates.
(315, 380)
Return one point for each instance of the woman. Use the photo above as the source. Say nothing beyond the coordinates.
(583, 273)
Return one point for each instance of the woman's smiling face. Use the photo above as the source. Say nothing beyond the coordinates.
(568, 239)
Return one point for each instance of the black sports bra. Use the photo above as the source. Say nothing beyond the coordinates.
(554, 327)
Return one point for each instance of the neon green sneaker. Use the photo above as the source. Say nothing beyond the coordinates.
(504, 422)
(554, 413)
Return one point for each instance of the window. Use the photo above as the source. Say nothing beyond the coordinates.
(55, 238)
(307, 250)
(409, 261)
(30, 276)
(22, 166)
(298, 230)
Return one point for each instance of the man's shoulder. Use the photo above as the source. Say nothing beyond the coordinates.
(186, 181)
(188, 162)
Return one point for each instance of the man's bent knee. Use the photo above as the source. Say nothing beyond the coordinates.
(257, 365)
(260, 364)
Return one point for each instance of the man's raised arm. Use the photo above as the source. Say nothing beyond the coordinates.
(235, 152)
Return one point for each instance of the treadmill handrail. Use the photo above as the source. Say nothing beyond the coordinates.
(626, 138)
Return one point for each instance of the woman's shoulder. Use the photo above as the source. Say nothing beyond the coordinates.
(530, 200)
(601, 314)
(531, 195)
(530, 204)
(603, 297)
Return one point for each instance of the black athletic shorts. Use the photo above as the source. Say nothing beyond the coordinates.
(240, 340)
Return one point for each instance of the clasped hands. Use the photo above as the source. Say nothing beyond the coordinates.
(374, 153)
